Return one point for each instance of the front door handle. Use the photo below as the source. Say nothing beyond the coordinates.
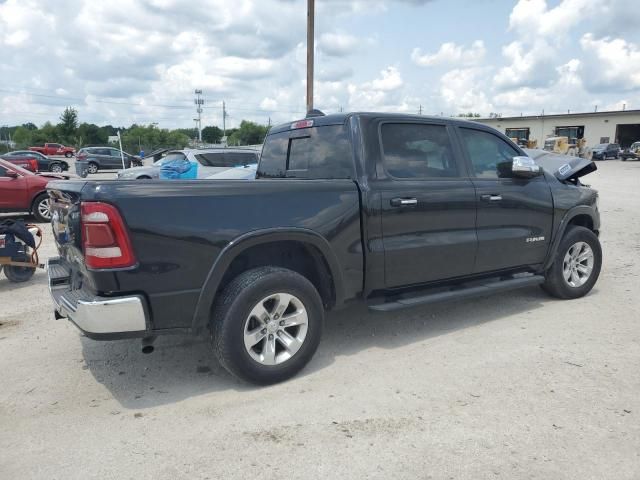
(403, 202)
(491, 198)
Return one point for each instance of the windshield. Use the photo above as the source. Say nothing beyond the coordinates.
(20, 170)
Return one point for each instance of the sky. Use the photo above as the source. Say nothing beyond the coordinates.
(139, 61)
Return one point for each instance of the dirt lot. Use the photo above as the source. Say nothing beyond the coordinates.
(514, 386)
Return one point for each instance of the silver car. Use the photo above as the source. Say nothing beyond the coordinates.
(211, 161)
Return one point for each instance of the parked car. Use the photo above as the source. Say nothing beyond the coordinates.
(631, 153)
(45, 164)
(211, 161)
(24, 191)
(106, 158)
(391, 210)
(606, 150)
(54, 149)
(28, 163)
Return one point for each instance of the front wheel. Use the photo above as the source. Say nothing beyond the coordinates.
(68, 154)
(41, 208)
(93, 167)
(576, 267)
(267, 324)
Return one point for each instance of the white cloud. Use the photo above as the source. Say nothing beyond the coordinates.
(337, 44)
(613, 63)
(383, 92)
(451, 53)
(462, 91)
(527, 67)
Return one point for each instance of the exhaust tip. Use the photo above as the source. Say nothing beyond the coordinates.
(147, 345)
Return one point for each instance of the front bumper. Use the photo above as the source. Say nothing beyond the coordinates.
(98, 317)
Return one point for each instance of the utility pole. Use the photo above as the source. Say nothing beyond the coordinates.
(310, 48)
(224, 120)
(420, 111)
(199, 101)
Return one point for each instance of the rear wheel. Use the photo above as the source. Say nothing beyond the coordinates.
(144, 177)
(55, 168)
(41, 209)
(267, 325)
(68, 154)
(18, 274)
(93, 167)
(576, 267)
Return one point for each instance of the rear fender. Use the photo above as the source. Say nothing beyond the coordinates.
(251, 239)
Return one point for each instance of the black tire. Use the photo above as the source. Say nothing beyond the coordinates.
(624, 159)
(17, 274)
(68, 155)
(143, 177)
(555, 283)
(93, 167)
(56, 167)
(41, 213)
(231, 314)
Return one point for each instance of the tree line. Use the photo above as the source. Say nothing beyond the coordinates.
(134, 138)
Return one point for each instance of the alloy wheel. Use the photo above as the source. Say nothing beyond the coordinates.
(44, 209)
(578, 264)
(275, 329)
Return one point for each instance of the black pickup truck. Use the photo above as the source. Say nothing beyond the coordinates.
(392, 210)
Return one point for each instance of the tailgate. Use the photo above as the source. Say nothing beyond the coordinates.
(65, 197)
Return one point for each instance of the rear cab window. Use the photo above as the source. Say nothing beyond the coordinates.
(320, 152)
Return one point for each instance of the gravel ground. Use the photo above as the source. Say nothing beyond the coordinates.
(512, 386)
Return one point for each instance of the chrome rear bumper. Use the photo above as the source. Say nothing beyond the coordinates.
(91, 313)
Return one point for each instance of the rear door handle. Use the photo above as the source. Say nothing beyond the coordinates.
(403, 202)
(491, 198)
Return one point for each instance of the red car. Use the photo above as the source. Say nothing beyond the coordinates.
(28, 163)
(25, 191)
(54, 149)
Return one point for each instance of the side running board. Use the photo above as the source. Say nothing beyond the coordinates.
(459, 292)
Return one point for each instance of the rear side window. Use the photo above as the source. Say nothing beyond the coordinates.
(414, 150)
(226, 159)
(319, 152)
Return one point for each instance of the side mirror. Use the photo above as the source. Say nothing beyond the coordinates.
(525, 167)
(11, 174)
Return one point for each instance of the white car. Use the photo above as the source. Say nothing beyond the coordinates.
(211, 161)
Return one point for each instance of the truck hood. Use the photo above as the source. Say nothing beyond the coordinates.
(563, 167)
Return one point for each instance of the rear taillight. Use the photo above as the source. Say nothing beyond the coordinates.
(105, 241)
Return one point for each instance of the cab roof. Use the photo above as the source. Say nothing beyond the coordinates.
(341, 118)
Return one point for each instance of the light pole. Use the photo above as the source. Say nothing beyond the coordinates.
(199, 101)
(310, 48)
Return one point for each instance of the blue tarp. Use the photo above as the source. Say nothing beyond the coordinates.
(181, 169)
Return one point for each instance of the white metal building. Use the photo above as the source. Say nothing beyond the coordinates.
(622, 127)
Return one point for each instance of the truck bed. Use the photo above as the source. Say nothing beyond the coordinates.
(179, 228)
